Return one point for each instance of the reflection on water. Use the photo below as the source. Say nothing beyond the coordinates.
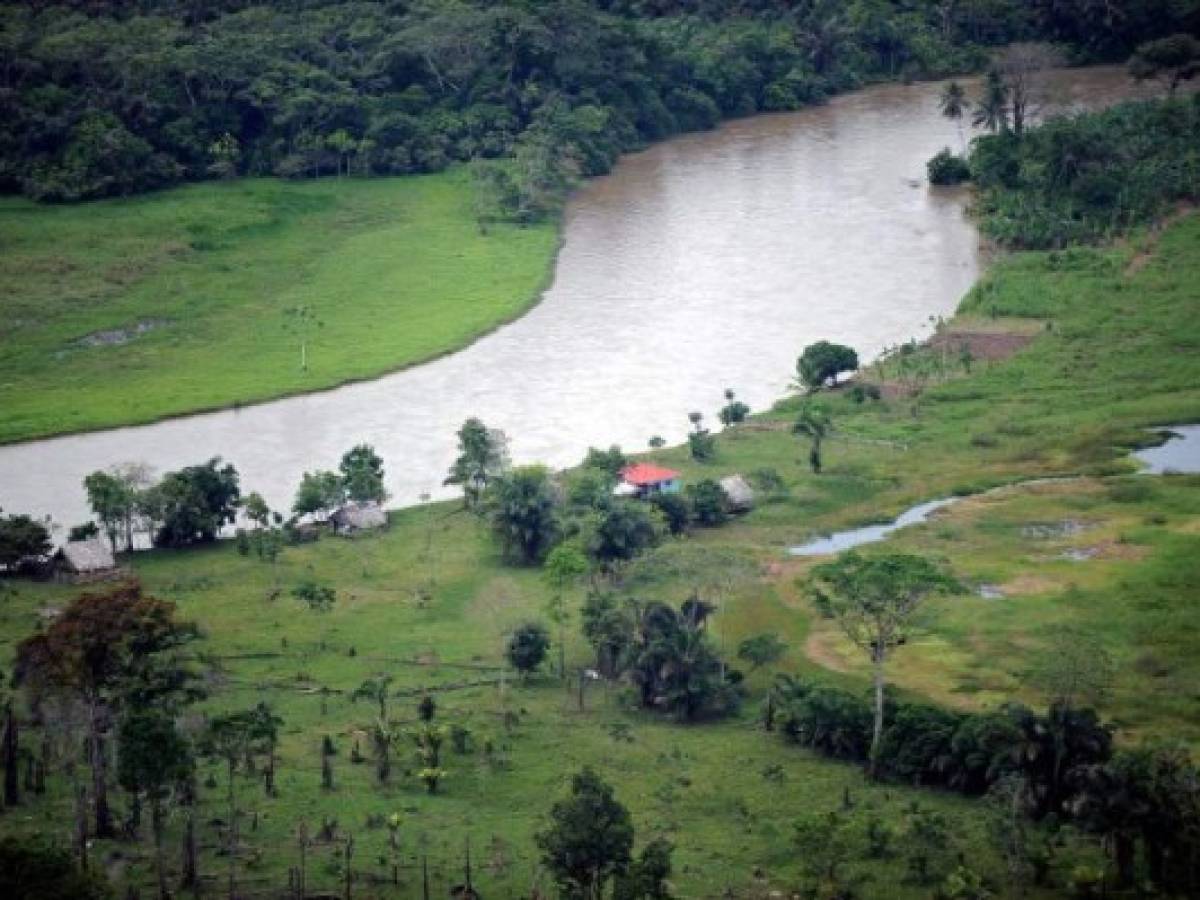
(703, 263)
(856, 537)
(1180, 454)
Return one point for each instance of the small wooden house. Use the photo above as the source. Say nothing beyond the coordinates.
(355, 517)
(644, 480)
(90, 560)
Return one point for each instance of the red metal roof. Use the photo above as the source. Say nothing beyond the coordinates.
(645, 474)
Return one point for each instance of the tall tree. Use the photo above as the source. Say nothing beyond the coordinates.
(1022, 67)
(954, 104)
(991, 109)
(319, 494)
(106, 650)
(155, 761)
(482, 456)
(113, 499)
(814, 423)
(564, 568)
(362, 474)
(193, 504)
(589, 839)
(1171, 60)
(522, 508)
(874, 600)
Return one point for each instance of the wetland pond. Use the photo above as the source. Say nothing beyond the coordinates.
(1179, 454)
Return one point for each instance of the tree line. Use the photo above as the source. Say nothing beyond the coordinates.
(112, 98)
(1074, 178)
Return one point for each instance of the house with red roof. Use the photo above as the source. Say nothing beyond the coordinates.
(646, 479)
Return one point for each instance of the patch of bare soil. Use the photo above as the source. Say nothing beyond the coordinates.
(818, 650)
(983, 345)
(1024, 585)
(116, 336)
(1113, 549)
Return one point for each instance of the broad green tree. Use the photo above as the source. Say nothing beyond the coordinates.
(588, 840)
(619, 533)
(194, 504)
(761, 650)
(482, 456)
(1171, 60)
(22, 537)
(821, 363)
(113, 500)
(319, 494)
(875, 600)
(527, 647)
(362, 474)
(109, 651)
(523, 512)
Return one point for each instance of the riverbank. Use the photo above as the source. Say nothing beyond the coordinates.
(1118, 561)
(213, 295)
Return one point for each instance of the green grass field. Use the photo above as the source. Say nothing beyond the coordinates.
(1113, 351)
(130, 310)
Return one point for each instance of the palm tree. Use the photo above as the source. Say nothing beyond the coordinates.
(954, 104)
(991, 112)
(688, 671)
(815, 423)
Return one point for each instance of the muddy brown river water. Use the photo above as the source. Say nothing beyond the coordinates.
(705, 262)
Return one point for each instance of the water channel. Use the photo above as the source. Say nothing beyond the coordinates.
(1179, 454)
(705, 262)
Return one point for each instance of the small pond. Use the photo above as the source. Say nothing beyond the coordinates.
(1179, 455)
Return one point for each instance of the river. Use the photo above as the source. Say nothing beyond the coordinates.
(706, 262)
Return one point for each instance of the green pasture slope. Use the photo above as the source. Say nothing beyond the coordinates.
(125, 311)
(1114, 350)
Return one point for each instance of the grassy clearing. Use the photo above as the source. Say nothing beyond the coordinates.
(129, 310)
(1113, 352)
(725, 793)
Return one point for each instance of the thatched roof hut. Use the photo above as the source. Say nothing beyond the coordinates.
(739, 493)
(359, 517)
(86, 560)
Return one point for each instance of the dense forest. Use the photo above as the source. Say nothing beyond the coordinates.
(109, 98)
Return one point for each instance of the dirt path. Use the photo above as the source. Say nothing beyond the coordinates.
(1143, 257)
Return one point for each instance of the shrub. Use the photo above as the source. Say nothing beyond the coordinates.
(947, 168)
(709, 503)
(676, 510)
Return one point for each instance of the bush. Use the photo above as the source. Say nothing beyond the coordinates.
(527, 647)
(948, 168)
(676, 510)
(709, 503)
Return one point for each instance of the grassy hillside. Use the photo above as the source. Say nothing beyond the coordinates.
(1105, 342)
(124, 311)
